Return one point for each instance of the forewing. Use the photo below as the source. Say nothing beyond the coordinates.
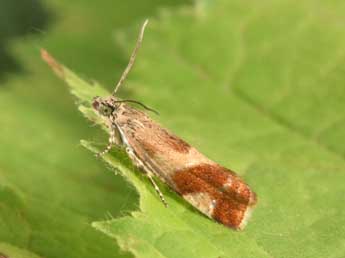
(214, 190)
(217, 192)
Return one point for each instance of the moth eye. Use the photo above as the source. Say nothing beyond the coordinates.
(106, 111)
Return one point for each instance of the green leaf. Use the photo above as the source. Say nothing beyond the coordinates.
(9, 251)
(258, 87)
(255, 85)
(51, 189)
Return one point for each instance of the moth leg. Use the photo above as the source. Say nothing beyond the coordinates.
(158, 191)
(147, 172)
(112, 141)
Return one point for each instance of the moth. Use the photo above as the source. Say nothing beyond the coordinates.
(214, 190)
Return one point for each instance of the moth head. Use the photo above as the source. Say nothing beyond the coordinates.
(107, 106)
(102, 106)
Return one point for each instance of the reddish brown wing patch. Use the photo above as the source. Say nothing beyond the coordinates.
(160, 140)
(175, 142)
(149, 148)
(167, 140)
(229, 212)
(232, 196)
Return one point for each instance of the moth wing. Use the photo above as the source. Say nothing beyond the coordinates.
(217, 192)
(214, 190)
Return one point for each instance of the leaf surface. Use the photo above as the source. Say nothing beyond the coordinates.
(51, 189)
(256, 86)
(259, 88)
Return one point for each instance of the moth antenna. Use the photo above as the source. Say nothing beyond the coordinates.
(133, 56)
(139, 103)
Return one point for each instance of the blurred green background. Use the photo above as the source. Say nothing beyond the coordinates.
(256, 85)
